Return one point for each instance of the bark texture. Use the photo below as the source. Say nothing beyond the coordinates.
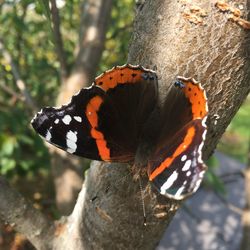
(215, 52)
(24, 218)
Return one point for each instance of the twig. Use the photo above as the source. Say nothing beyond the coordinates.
(226, 176)
(229, 205)
(19, 82)
(24, 218)
(120, 30)
(58, 40)
(11, 92)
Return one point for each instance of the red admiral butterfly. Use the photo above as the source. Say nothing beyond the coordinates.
(121, 118)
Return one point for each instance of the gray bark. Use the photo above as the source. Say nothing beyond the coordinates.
(24, 218)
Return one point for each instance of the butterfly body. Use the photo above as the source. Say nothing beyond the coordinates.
(120, 119)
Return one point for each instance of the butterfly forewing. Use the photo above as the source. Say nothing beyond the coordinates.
(68, 127)
(103, 122)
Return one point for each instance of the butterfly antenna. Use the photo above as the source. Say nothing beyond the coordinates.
(142, 203)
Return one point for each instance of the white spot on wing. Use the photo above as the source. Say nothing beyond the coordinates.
(70, 150)
(48, 136)
(67, 119)
(171, 179)
(184, 157)
(78, 118)
(187, 165)
(197, 185)
(71, 139)
(56, 121)
(203, 122)
(201, 175)
(200, 152)
(204, 135)
(179, 192)
(188, 173)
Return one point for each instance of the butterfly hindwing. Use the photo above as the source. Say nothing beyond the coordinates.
(176, 167)
(179, 168)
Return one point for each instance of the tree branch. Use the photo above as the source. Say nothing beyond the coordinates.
(58, 40)
(11, 92)
(24, 218)
(93, 26)
(19, 82)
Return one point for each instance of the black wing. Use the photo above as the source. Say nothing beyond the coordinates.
(105, 121)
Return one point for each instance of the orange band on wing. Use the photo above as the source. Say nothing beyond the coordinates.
(181, 148)
(110, 79)
(91, 114)
(197, 98)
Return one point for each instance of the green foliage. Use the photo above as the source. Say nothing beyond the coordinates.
(118, 35)
(212, 180)
(44, 5)
(237, 136)
(24, 32)
(17, 144)
(235, 143)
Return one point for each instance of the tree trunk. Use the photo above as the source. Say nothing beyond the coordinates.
(215, 52)
(24, 218)
(68, 170)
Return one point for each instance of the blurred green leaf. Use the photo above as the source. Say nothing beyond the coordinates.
(8, 146)
(235, 140)
(6, 165)
(45, 8)
(214, 181)
(212, 162)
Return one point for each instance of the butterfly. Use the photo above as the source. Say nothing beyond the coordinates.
(121, 118)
